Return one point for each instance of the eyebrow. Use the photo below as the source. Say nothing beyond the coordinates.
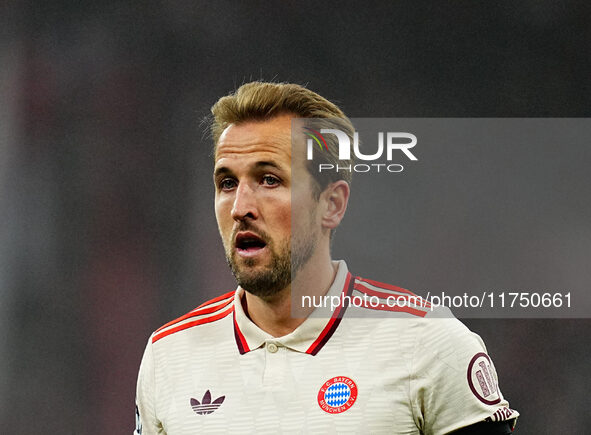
(262, 164)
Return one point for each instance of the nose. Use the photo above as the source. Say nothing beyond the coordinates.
(245, 203)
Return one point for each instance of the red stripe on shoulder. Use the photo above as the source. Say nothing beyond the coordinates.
(191, 324)
(202, 309)
(407, 304)
(396, 308)
(219, 298)
(407, 294)
(385, 286)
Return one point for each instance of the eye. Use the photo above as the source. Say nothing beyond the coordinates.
(227, 184)
(270, 180)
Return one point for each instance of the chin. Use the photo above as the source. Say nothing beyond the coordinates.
(265, 283)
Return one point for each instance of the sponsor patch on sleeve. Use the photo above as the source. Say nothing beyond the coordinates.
(482, 379)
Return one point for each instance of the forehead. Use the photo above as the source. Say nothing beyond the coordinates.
(257, 139)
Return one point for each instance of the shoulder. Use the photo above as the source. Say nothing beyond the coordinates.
(452, 380)
(206, 313)
(379, 297)
(433, 329)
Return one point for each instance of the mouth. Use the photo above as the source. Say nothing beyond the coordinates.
(249, 244)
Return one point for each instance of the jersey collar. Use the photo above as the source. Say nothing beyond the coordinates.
(311, 335)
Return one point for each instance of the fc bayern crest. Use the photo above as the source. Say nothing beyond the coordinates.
(337, 394)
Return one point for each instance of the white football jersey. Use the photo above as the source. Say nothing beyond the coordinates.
(214, 371)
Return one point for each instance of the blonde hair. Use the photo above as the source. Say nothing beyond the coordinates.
(260, 101)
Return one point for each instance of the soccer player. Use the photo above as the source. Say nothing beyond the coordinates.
(242, 363)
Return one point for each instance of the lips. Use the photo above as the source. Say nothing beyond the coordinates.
(248, 243)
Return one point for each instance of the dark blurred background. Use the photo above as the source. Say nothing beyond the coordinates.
(105, 188)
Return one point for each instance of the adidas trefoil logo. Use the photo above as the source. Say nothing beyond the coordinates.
(206, 406)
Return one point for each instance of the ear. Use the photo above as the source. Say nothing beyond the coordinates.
(335, 199)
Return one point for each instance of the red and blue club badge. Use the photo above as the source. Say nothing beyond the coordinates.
(337, 394)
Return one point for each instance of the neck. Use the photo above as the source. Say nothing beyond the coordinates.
(278, 316)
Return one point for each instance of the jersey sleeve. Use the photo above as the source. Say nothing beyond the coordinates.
(146, 422)
(454, 383)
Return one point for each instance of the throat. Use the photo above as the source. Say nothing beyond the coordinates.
(272, 316)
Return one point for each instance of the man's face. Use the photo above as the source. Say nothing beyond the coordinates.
(253, 205)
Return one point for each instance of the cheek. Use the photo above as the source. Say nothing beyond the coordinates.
(286, 212)
(304, 219)
(305, 208)
(222, 213)
(278, 218)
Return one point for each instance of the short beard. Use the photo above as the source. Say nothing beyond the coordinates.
(283, 269)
